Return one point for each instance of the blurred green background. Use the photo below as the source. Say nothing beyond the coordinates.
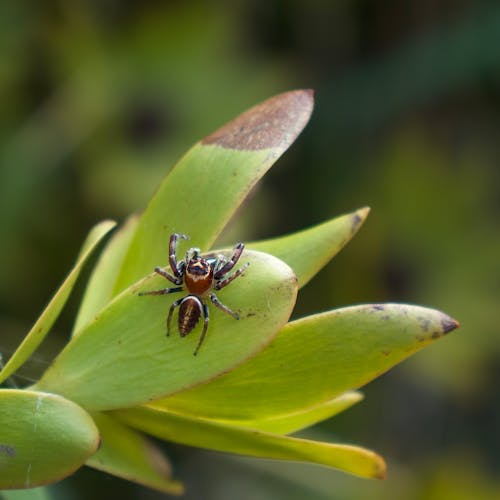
(100, 98)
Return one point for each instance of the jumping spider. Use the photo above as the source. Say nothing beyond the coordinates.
(200, 277)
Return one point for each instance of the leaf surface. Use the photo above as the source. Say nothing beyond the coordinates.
(43, 438)
(102, 281)
(128, 454)
(315, 359)
(293, 422)
(124, 358)
(307, 251)
(44, 323)
(209, 183)
(213, 435)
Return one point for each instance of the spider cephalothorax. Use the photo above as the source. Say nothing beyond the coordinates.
(200, 277)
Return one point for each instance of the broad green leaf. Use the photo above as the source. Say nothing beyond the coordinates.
(102, 281)
(50, 314)
(40, 493)
(123, 357)
(208, 184)
(128, 454)
(293, 422)
(313, 360)
(306, 252)
(203, 433)
(43, 438)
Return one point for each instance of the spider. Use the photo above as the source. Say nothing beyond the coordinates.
(200, 276)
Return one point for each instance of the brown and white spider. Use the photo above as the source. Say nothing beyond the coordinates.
(200, 277)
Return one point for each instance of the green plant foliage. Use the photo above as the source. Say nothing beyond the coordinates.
(197, 431)
(123, 358)
(254, 380)
(130, 455)
(53, 309)
(43, 438)
(294, 421)
(314, 359)
(209, 183)
(307, 251)
(40, 493)
(101, 283)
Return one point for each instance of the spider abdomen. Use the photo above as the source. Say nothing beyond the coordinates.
(190, 312)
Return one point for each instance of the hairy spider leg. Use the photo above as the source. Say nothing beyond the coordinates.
(222, 307)
(225, 282)
(238, 249)
(205, 328)
(175, 304)
(172, 249)
(165, 274)
(163, 291)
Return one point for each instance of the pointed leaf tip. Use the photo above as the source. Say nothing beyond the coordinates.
(449, 324)
(274, 123)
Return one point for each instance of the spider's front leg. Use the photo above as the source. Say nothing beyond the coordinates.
(163, 291)
(177, 269)
(222, 283)
(238, 250)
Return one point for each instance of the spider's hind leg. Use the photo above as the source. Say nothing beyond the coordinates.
(171, 312)
(205, 328)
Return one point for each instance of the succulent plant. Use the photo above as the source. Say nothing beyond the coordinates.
(254, 382)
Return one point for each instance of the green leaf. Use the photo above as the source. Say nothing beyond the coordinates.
(293, 422)
(100, 287)
(40, 493)
(207, 185)
(128, 454)
(123, 357)
(213, 435)
(43, 438)
(306, 252)
(53, 309)
(313, 360)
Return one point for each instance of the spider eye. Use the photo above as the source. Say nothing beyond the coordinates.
(198, 267)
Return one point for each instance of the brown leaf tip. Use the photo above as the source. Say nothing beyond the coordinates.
(449, 324)
(274, 123)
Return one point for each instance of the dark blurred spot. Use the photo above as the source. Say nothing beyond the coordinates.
(149, 122)
(5, 449)
(399, 277)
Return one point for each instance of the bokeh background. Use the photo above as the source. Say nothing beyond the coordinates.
(100, 98)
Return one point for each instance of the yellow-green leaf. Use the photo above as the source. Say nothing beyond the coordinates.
(40, 493)
(307, 251)
(213, 435)
(43, 438)
(124, 358)
(208, 184)
(293, 422)
(313, 360)
(128, 454)
(46, 320)
(100, 287)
